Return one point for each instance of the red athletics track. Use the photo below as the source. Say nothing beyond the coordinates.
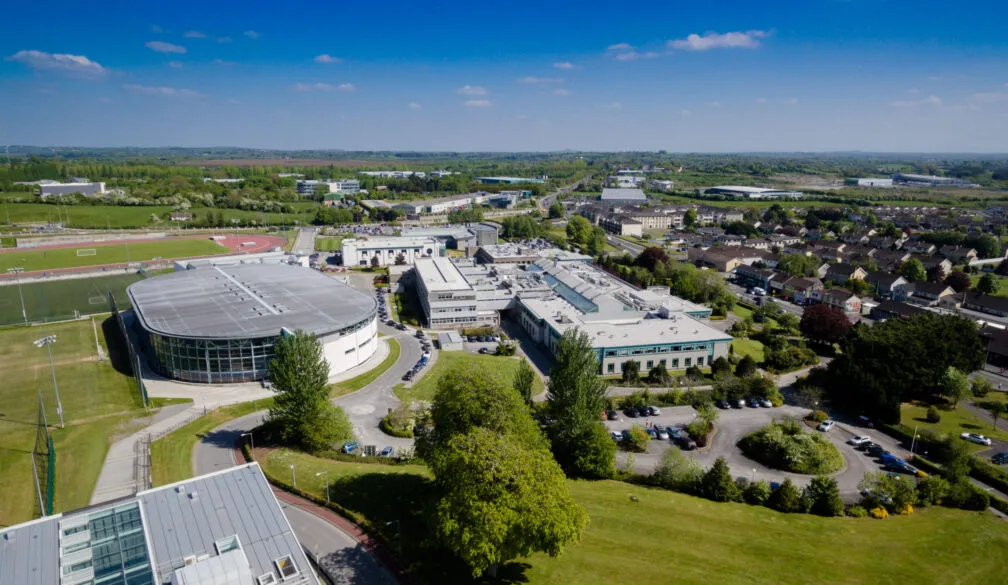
(234, 242)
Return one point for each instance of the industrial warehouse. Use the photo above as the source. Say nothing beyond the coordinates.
(219, 324)
(556, 292)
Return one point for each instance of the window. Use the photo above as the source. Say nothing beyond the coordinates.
(699, 361)
(266, 579)
(688, 362)
(662, 362)
(650, 364)
(286, 567)
(675, 362)
(227, 544)
(611, 368)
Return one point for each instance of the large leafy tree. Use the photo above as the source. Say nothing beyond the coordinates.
(955, 385)
(823, 496)
(302, 414)
(823, 324)
(913, 270)
(882, 366)
(578, 229)
(958, 280)
(556, 211)
(501, 500)
(523, 380)
(797, 265)
(989, 284)
(651, 257)
(575, 397)
(717, 484)
(631, 371)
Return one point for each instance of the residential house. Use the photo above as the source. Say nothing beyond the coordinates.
(820, 235)
(928, 294)
(833, 245)
(958, 254)
(794, 230)
(895, 310)
(770, 228)
(783, 240)
(930, 262)
(859, 237)
(890, 260)
(888, 286)
(758, 243)
(842, 272)
(842, 299)
(730, 240)
(991, 305)
(749, 276)
(800, 290)
(883, 243)
(920, 247)
(822, 269)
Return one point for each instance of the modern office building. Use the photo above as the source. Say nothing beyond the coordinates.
(623, 196)
(220, 324)
(930, 181)
(508, 180)
(393, 174)
(754, 192)
(552, 294)
(309, 187)
(388, 251)
(869, 182)
(84, 188)
(458, 237)
(224, 528)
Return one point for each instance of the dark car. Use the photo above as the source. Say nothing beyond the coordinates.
(722, 404)
(1000, 458)
(876, 451)
(612, 415)
(643, 411)
(752, 403)
(864, 446)
(484, 350)
(683, 440)
(631, 412)
(408, 376)
(390, 323)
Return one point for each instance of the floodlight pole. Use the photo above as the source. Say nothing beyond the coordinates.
(17, 272)
(47, 342)
(293, 476)
(326, 474)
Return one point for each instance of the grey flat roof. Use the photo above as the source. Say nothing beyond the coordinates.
(623, 195)
(440, 275)
(246, 300)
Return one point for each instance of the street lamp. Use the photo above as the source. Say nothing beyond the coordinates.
(17, 271)
(47, 341)
(326, 474)
(293, 476)
(913, 442)
(251, 443)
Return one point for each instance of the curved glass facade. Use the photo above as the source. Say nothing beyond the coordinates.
(211, 361)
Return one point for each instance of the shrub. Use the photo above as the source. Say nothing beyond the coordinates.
(933, 416)
(932, 490)
(965, 495)
(677, 472)
(785, 498)
(823, 496)
(637, 441)
(817, 416)
(717, 483)
(981, 387)
(389, 428)
(906, 510)
(757, 493)
(857, 512)
(595, 454)
(699, 430)
(399, 422)
(879, 513)
(784, 445)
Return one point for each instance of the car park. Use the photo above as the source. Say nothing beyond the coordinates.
(350, 447)
(616, 435)
(630, 411)
(387, 452)
(976, 438)
(1000, 458)
(651, 433)
(653, 411)
(612, 415)
(765, 403)
(826, 426)
(661, 433)
(858, 440)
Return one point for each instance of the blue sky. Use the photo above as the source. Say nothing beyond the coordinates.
(809, 75)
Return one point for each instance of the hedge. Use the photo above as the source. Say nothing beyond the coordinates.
(989, 474)
(391, 430)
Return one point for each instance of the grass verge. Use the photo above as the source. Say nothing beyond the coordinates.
(358, 382)
(748, 347)
(953, 422)
(424, 389)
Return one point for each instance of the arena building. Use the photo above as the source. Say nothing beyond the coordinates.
(219, 324)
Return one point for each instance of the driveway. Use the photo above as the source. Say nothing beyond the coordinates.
(734, 424)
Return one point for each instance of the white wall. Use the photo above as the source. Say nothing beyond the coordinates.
(351, 350)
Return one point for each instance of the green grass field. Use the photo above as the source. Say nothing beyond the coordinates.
(98, 255)
(98, 403)
(56, 300)
(953, 422)
(749, 347)
(357, 382)
(1002, 281)
(328, 243)
(505, 367)
(642, 535)
(103, 216)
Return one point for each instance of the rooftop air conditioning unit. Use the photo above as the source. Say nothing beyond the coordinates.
(189, 560)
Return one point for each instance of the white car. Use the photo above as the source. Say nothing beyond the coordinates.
(826, 425)
(858, 440)
(976, 438)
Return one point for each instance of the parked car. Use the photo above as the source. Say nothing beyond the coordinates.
(865, 422)
(350, 447)
(684, 441)
(826, 425)
(651, 433)
(752, 403)
(976, 438)
(858, 440)
(625, 435)
(876, 451)
(616, 435)
(661, 432)
(865, 446)
(612, 415)
(471, 339)
(386, 452)
(390, 323)
(643, 411)
(1000, 458)
(765, 403)
(484, 350)
(630, 411)
(419, 334)
(408, 375)
(653, 411)
(739, 403)
(722, 404)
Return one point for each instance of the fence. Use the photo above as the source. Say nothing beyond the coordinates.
(142, 448)
(44, 463)
(60, 299)
(134, 357)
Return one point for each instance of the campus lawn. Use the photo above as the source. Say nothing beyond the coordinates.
(749, 347)
(57, 300)
(642, 535)
(953, 422)
(117, 217)
(108, 254)
(98, 404)
(504, 367)
(328, 243)
(171, 456)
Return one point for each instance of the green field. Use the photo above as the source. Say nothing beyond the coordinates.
(116, 216)
(99, 255)
(328, 243)
(1002, 281)
(505, 367)
(57, 300)
(749, 347)
(953, 422)
(98, 403)
(642, 535)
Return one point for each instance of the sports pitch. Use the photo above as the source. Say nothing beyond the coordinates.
(106, 254)
(59, 300)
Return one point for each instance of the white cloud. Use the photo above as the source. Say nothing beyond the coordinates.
(564, 65)
(561, 91)
(989, 97)
(160, 91)
(194, 34)
(327, 59)
(224, 40)
(75, 65)
(175, 64)
(163, 47)
(791, 101)
(478, 104)
(611, 106)
(472, 90)
(712, 40)
(255, 36)
(414, 106)
(761, 100)
(634, 55)
(931, 100)
(319, 86)
(620, 47)
(540, 80)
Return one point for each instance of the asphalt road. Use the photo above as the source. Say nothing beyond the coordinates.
(734, 424)
(788, 306)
